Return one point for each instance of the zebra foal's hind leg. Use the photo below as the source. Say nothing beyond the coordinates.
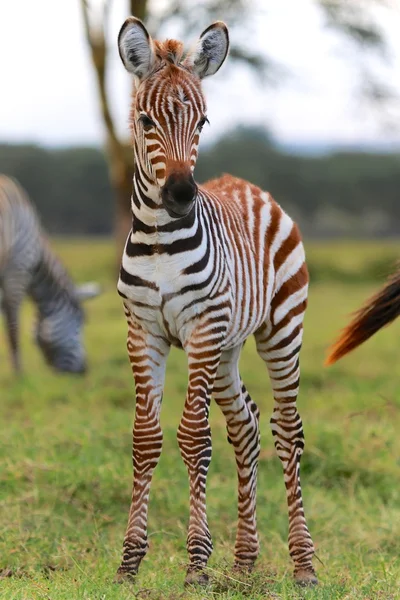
(242, 418)
(148, 356)
(278, 343)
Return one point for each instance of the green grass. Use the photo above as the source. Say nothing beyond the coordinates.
(65, 465)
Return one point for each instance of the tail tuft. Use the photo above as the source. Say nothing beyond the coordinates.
(379, 311)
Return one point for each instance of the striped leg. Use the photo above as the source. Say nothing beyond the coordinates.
(148, 356)
(194, 438)
(242, 417)
(14, 289)
(279, 345)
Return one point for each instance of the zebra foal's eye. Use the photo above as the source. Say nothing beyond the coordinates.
(202, 122)
(146, 121)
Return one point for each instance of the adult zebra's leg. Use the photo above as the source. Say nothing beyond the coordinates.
(242, 418)
(279, 343)
(194, 438)
(147, 354)
(13, 292)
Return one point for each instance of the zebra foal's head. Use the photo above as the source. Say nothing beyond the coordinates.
(168, 109)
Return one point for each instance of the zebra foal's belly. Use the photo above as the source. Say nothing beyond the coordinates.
(163, 313)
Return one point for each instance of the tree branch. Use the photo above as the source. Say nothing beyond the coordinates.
(138, 8)
(98, 49)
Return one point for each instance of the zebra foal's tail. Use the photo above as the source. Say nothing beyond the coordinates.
(378, 311)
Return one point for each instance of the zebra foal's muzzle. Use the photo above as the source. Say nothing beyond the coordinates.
(179, 194)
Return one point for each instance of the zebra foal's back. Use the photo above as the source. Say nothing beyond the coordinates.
(262, 248)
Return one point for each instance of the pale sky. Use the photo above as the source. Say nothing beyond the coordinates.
(48, 93)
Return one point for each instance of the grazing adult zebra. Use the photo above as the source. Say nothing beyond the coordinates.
(29, 266)
(203, 268)
(380, 310)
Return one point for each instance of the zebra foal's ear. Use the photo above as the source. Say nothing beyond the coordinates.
(136, 48)
(210, 51)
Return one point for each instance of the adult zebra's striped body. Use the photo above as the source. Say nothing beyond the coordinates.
(29, 266)
(203, 268)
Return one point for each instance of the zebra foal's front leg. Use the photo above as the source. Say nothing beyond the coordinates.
(242, 418)
(147, 354)
(194, 438)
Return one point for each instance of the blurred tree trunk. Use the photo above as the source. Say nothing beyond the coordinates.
(119, 154)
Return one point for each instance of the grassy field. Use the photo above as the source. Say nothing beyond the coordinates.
(65, 465)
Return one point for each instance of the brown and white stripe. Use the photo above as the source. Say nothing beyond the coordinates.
(204, 267)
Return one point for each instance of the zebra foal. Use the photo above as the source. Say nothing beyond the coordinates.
(203, 268)
(28, 266)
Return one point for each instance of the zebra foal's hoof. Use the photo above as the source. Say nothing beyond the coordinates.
(196, 577)
(243, 568)
(124, 577)
(305, 578)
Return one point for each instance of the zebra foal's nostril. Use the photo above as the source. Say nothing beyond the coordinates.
(182, 191)
(178, 194)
